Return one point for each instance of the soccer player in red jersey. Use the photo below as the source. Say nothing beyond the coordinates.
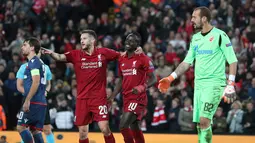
(90, 64)
(136, 74)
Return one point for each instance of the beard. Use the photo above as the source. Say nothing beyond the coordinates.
(86, 47)
(25, 54)
(198, 26)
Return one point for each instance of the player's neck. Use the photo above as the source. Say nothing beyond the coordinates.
(89, 51)
(130, 53)
(206, 28)
(30, 56)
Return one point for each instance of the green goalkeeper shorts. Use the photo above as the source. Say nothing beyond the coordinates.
(206, 101)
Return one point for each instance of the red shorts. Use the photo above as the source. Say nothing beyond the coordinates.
(88, 110)
(136, 107)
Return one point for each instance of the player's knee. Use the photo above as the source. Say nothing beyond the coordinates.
(104, 127)
(135, 126)
(204, 122)
(83, 132)
(20, 128)
(123, 125)
(106, 131)
(47, 131)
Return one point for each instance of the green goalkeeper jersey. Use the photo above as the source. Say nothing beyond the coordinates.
(211, 52)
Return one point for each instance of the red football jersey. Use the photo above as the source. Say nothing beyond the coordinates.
(90, 71)
(134, 72)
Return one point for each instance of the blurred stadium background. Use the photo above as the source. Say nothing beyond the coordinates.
(166, 30)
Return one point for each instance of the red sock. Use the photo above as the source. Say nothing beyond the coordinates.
(127, 134)
(138, 135)
(109, 139)
(84, 141)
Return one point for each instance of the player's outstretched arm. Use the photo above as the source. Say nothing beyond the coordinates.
(55, 56)
(117, 89)
(164, 83)
(229, 94)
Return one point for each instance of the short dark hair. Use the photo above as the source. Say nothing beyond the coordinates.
(32, 41)
(90, 32)
(204, 11)
(138, 37)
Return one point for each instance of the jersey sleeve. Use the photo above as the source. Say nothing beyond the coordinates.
(111, 54)
(34, 66)
(70, 56)
(21, 71)
(227, 49)
(148, 65)
(48, 73)
(191, 53)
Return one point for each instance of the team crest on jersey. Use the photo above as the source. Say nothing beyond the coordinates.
(134, 62)
(211, 39)
(99, 57)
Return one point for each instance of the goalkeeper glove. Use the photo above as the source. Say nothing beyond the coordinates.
(229, 94)
(165, 83)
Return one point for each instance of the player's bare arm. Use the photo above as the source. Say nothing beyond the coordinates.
(182, 68)
(32, 91)
(165, 83)
(152, 79)
(55, 56)
(232, 68)
(48, 86)
(117, 89)
(20, 86)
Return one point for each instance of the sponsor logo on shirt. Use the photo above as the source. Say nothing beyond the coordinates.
(202, 52)
(228, 45)
(90, 65)
(129, 72)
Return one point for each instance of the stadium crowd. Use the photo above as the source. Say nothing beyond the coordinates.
(166, 30)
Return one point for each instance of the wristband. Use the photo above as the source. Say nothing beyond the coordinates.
(172, 77)
(231, 77)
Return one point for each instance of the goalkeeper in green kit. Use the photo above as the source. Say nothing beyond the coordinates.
(210, 48)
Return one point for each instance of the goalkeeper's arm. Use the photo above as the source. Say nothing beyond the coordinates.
(181, 69)
(229, 94)
(165, 82)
